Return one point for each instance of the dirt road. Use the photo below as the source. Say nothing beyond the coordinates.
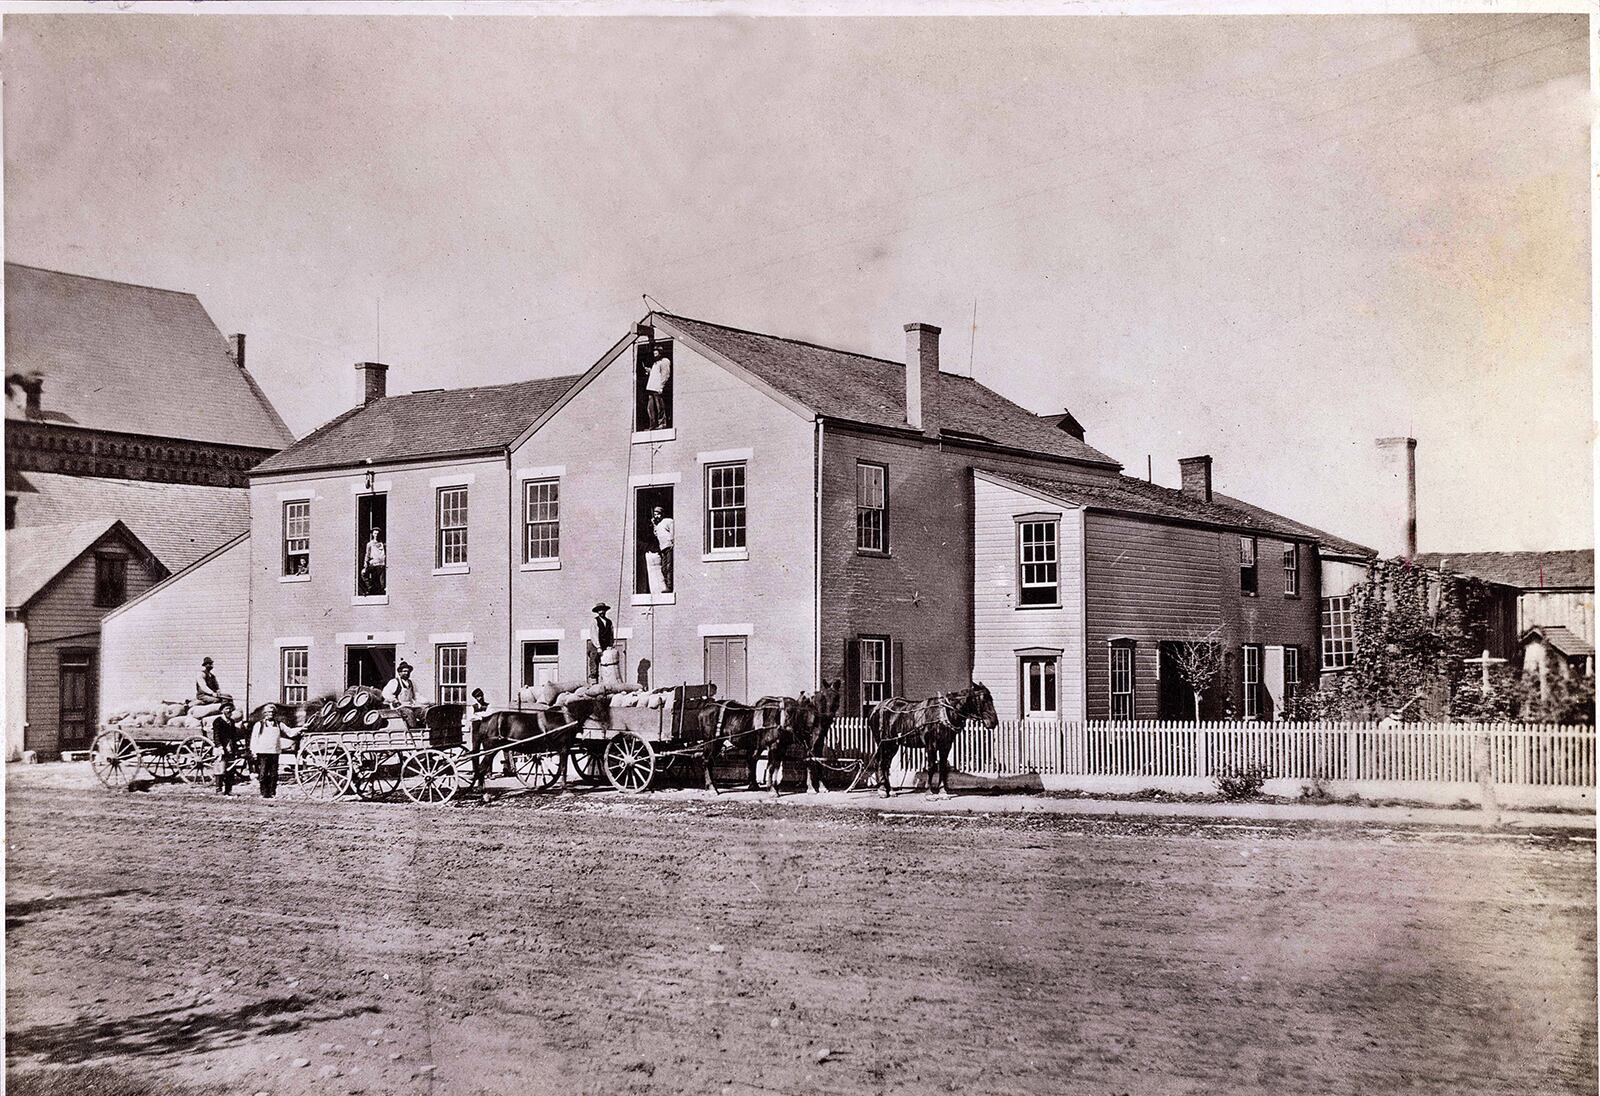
(596, 944)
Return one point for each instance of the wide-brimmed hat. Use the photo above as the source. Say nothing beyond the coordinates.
(601, 607)
(206, 661)
(402, 666)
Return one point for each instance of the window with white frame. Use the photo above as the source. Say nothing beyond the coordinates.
(1038, 570)
(294, 666)
(1252, 681)
(1247, 566)
(297, 537)
(1291, 672)
(451, 509)
(541, 662)
(1038, 685)
(725, 509)
(1338, 632)
(1291, 570)
(874, 670)
(450, 659)
(1122, 679)
(872, 508)
(541, 520)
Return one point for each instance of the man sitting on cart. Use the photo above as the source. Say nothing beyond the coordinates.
(401, 695)
(208, 694)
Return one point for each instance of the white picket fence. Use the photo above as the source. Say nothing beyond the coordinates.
(1538, 755)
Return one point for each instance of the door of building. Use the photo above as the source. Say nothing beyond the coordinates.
(726, 666)
(1174, 697)
(76, 725)
(371, 665)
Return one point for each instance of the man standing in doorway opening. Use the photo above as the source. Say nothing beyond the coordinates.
(661, 524)
(658, 374)
(374, 564)
(605, 637)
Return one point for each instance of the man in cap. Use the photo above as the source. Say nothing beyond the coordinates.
(209, 698)
(402, 694)
(605, 636)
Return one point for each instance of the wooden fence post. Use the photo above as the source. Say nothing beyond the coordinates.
(1483, 770)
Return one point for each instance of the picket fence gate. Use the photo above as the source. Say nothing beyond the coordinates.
(1542, 755)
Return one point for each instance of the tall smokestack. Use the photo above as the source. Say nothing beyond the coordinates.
(922, 378)
(1399, 478)
(376, 384)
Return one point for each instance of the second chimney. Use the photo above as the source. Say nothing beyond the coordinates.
(1399, 457)
(1196, 474)
(376, 385)
(922, 378)
(236, 349)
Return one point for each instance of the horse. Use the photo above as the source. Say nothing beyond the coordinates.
(818, 711)
(553, 729)
(727, 726)
(933, 724)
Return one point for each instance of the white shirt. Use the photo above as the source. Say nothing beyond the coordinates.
(266, 737)
(375, 553)
(401, 692)
(663, 530)
(660, 374)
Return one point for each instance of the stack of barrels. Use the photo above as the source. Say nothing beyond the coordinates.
(358, 707)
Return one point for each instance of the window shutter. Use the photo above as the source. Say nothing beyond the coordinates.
(897, 669)
(852, 676)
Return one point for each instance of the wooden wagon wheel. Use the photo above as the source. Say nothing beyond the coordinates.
(325, 771)
(115, 759)
(378, 776)
(630, 762)
(429, 776)
(586, 763)
(193, 759)
(163, 764)
(537, 771)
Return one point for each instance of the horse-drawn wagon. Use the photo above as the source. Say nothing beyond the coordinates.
(120, 754)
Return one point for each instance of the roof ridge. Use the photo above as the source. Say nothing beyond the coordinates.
(568, 377)
(108, 281)
(796, 342)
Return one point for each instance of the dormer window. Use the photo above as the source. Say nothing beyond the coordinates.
(652, 386)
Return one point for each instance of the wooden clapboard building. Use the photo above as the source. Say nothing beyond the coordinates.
(131, 423)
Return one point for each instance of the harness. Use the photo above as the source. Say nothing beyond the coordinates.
(943, 705)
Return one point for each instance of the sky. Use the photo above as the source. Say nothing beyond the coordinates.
(1270, 239)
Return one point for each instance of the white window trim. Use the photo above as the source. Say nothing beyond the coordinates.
(1054, 521)
(542, 635)
(379, 487)
(304, 494)
(653, 599)
(706, 630)
(1248, 694)
(1037, 655)
(549, 471)
(726, 555)
(442, 639)
(654, 479)
(462, 480)
(639, 437)
(369, 639)
(723, 456)
(294, 578)
(369, 599)
(453, 569)
(540, 564)
(292, 641)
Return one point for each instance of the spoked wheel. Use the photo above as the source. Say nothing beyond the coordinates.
(324, 771)
(630, 763)
(429, 776)
(537, 771)
(586, 763)
(379, 776)
(164, 765)
(115, 759)
(193, 760)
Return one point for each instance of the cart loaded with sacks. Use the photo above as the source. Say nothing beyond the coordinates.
(164, 741)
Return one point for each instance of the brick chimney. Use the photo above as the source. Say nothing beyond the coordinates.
(922, 378)
(1398, 496)
(236, 349)
(376, 384)
(1196, 474)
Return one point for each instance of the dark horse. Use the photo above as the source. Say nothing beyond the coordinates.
(729, 727)
(549, 730)
(818, 711)
(932, 724)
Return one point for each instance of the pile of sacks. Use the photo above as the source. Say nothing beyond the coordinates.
(622, 696)
(187, 714)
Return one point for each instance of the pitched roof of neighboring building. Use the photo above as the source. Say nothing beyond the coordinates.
(177, 522)
(1562, 639)
(1125, 495)
(1568, 569)
(839, 384)
(36, 556)
(437, 423)
(131, 359)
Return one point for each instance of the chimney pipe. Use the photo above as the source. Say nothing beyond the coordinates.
(922, 378)
(236, 349)
(1196, 475)
(376, 384)
(33, 389)
(1400, 466)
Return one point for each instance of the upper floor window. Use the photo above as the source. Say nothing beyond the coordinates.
(1338, 632)
(1038, 573)
(451, 661)
(294, 666)
(1252, 681)
(655, 535)
(372, 545)
(541, 520)
(450, 548)
(1123, 684)
(297, 537)
(1247, 565)
(652, 386)
(1291, 570)
(725, 509)
(110, 580)
(872, 507)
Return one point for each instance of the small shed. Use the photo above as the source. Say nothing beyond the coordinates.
(1551, 651)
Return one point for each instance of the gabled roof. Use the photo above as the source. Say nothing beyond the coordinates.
(1135, 497)
(839, 384)
(36, 556)
(1562, 639)
(177, 522)
(131, 359)
(1330, 544)
(1561, 570)
(440, 423)
(226, 546)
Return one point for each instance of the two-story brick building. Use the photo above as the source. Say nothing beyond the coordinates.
(779, 514)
